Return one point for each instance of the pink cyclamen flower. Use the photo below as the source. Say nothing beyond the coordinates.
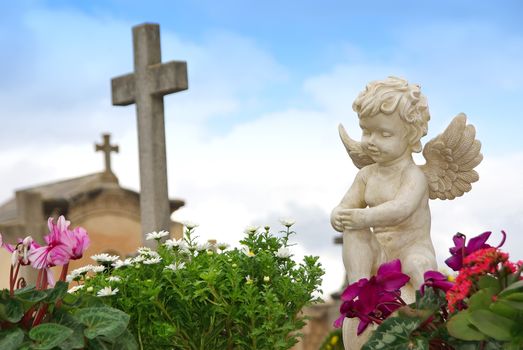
(81, 240)
(20, 251)
(62, 245)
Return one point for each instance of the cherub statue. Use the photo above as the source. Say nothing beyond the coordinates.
(385, 214)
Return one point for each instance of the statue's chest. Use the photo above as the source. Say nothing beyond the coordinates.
(381, 189)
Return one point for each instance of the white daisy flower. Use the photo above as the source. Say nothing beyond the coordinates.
(173, 243)
(151, 254)
(183, 246)
(77, 274)
(283, 253)
(104, 257)
(152, 261)
(247, 251)
(175, 266)
(119, 263)
(75, 289)
(252, 229)
(203, 246)
(107, 291)
(138, 259)
(266, 279)
(190, 225)
(143, 250)
(222, 246)
(287, 222)
(114, 279)
(69, 278)
(82, 270)
(97, 269)
(156, 235)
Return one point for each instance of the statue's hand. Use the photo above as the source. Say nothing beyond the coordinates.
(353, 218)
(336, 219)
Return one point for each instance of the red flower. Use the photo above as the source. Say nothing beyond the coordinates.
(479, 263)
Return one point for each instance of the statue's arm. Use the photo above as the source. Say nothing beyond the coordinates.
(412, 190)
(354, 198)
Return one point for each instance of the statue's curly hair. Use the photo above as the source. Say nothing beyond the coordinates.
(396, 94)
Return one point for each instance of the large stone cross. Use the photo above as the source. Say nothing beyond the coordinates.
(107, 148)
(146, 87)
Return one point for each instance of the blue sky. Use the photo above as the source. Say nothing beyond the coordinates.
(255, 136)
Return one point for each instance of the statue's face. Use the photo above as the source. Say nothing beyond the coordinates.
(384, 137)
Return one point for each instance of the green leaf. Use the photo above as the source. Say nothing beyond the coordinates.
(460, 327)
(502, 308)
(515, 305)
(488, 281)
(125, 341)
(431, 300)
(31, 295)
(514, 345)
(76, 340)
(11, 310)
(491, 324)
(11, 339)
(481, 299)
(393, 333)
(513, 288)
(58, 292)
(515, 297)
(25, 289)
(49, 335)
(103, 321)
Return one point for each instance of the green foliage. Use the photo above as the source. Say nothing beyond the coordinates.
(396, 333)
(11, 339)
(211, 298)
(102, 321)
(61, 326)
(48, 335)
(493, 314)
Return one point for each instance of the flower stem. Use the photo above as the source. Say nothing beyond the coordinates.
(375, 319)
(11, 282)
(39, 280)
(40, 315)
(64, 271)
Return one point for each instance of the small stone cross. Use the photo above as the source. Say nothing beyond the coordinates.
(107, 148)
(146, 87)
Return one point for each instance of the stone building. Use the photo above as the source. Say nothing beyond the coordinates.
(96, 202)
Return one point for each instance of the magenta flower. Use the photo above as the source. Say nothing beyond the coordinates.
(62, 245)
(436, 280)
(390, 277)
(375, 299)
(460, 250)
(81, 240)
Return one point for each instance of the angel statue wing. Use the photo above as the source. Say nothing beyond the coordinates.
(359, 158)
(451, 158)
